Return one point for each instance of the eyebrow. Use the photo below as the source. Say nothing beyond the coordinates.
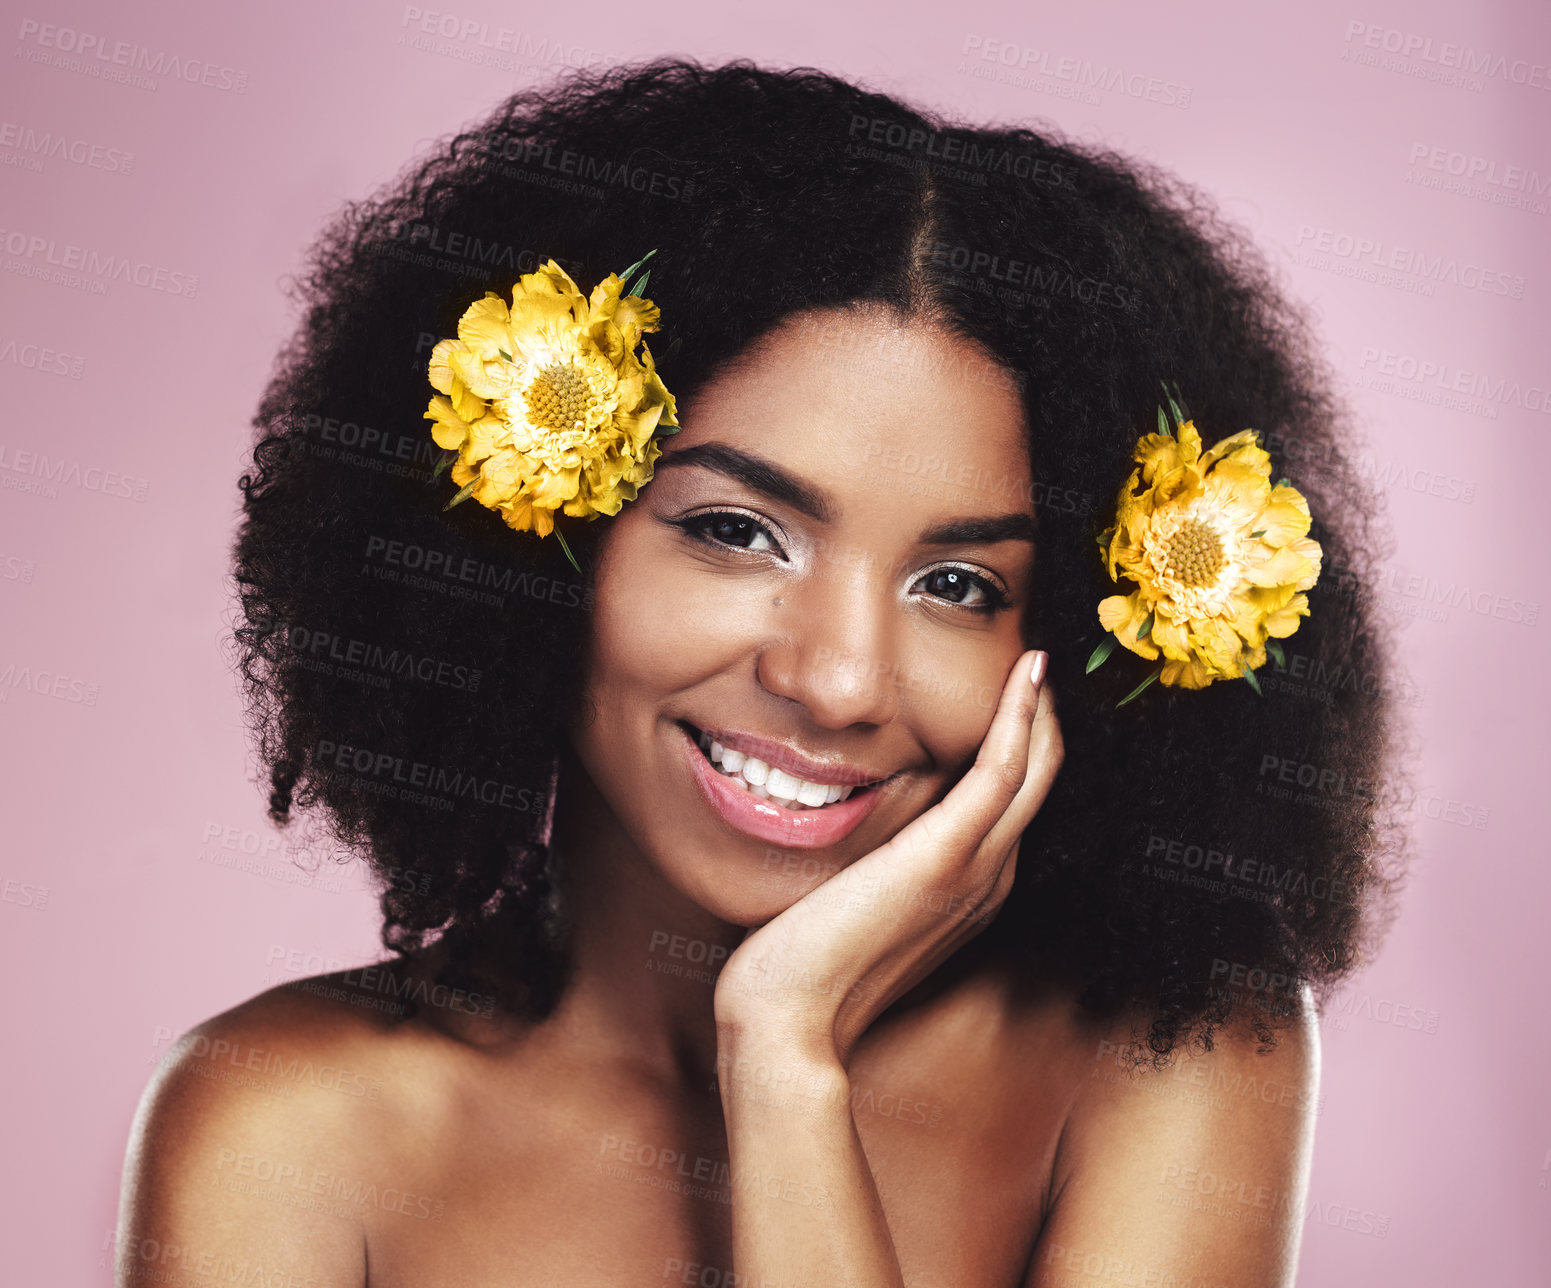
(765, 476)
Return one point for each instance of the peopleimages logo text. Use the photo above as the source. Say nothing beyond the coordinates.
(1445, 53)
(86, 259)
(137, 58)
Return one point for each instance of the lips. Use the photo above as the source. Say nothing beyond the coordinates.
(828, 770)
(766, 818)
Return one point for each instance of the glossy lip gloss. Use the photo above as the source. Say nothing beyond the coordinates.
(764, 819)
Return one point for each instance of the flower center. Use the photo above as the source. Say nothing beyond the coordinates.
(1195, 553)
(558, 397)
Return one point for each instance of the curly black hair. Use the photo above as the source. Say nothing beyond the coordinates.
(1203, 854)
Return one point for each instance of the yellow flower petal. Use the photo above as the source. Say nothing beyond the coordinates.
(500, 477)
(608, 339)
(1189, 674)
(1124, 615)
(475, 375)
(630, 316)
(552, 488)
(486, 436)
(1241, 448)
(440, 366)
(485, 329)
(551, 279)
(1284, 567)
(606, 290)
(1235, 502)
(1116, 611)
(1189, 444)
(1158, 454)
(655, 391)
(1285, 517)
(640, 427)
(1285, 621)
(448, 428)
(1314, 555)
(1244, 481)
(520, 515)
(544, 317)
(1172, 638)
(1217, 644)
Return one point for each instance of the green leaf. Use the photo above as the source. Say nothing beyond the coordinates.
(625, 276)
(676, 344)
(1139, 688)
(463, 494)
(1097, 657)
(1145, 629)
(1163, 423)
(448, 457)
(566, 548)
(640, 286)
(1106, 537)
(506, 355)
(1253, 682)
(1284, 481)
(1178, 402)
(1261, 533)
(1179, 418)
(1274, 648)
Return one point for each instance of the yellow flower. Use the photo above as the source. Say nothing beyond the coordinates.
(546, 402)
(1220, 558)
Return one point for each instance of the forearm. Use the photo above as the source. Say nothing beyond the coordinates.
(805, 1209)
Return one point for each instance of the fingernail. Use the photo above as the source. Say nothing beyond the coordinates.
(1037, 671)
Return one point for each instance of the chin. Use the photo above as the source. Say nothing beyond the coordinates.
(750, 898)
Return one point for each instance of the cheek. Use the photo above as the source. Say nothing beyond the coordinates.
(659, 622)
(952, 695)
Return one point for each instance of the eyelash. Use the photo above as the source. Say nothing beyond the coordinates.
(694, 526)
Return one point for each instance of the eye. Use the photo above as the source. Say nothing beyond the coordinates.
(964, 588)
(729, 528)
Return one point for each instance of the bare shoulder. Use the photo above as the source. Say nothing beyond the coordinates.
(1196, 1171)
(246, 1129)
(1258, 1087)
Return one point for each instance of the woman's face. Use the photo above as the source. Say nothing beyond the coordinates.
(827, 573)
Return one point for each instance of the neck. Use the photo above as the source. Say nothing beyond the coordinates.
(643, 957)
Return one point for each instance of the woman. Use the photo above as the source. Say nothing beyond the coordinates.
(668, 1003)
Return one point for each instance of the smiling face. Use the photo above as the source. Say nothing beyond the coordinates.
(826, 574)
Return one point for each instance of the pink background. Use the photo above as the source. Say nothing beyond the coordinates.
(127, 791)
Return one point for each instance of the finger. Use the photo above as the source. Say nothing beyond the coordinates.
(1046, 752)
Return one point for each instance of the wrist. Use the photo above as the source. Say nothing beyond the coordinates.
(799, 1042)
(789, 1023)
(765, 1067)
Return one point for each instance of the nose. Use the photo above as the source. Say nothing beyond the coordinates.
(833, 647)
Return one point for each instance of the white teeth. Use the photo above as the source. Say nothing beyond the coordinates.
(783, 784)
(769, 783)
(812, 794)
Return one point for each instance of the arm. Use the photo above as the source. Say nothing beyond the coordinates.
(805, 1207)
(1193, 1175)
